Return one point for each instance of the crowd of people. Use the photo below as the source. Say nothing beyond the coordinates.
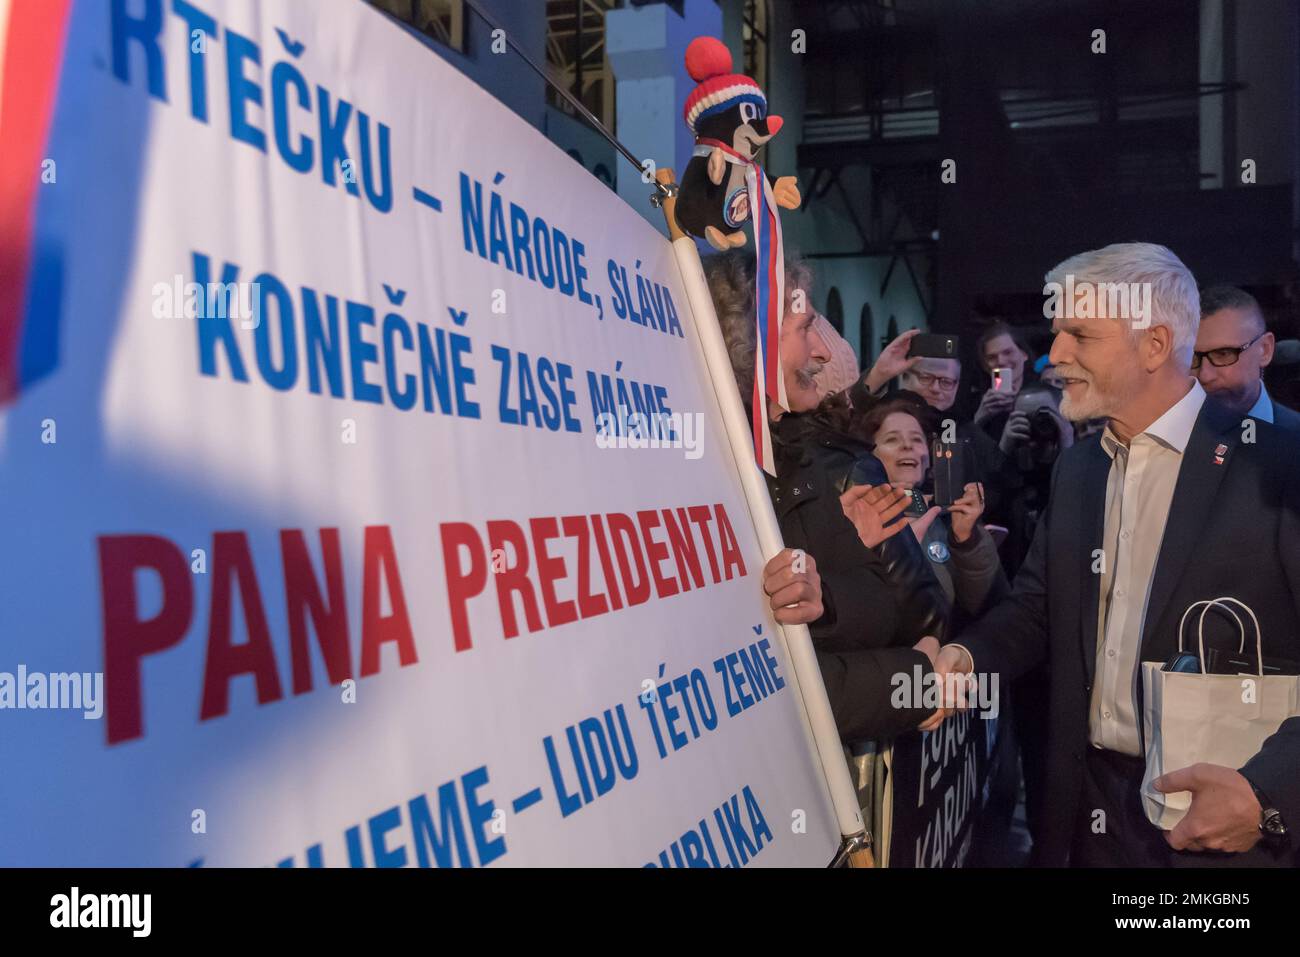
(918, 537)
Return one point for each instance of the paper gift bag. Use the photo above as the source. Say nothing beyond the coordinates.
(1195, 717)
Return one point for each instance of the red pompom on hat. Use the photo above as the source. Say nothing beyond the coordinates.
(707, 57)
(708, 61)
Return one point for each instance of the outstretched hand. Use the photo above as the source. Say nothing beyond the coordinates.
(871, 509)
(952, 661)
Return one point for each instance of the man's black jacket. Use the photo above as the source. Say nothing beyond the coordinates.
(878, 602)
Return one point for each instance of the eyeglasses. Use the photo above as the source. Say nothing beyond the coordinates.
(1222, 357)
(925, 380)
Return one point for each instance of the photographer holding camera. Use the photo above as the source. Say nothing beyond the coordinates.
(1035, 435)
(1036, 432)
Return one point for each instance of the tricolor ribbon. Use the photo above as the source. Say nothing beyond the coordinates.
(769, 298)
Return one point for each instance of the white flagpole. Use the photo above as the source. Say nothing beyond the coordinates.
(798, 641)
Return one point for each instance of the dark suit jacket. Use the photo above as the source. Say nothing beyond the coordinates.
(1285, 418)
(1233, 529)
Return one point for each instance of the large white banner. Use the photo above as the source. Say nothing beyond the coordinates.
(329, 565)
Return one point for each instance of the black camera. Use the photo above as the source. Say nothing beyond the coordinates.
(1043, 428)
(1044, 441)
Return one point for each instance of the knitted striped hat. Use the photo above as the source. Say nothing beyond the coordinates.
(708, 62)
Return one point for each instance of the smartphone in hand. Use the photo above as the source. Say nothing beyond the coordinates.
(947, 466)
(917, 506)
(930, 345)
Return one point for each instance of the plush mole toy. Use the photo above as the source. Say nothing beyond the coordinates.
(727, 112)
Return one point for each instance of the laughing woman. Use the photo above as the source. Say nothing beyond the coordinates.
(962, 554)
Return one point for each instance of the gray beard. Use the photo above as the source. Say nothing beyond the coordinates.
(1073, 413)
(806, 377)
(1096, 406)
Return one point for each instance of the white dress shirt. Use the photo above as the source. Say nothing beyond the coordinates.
(1139, 491)
(1263, 407)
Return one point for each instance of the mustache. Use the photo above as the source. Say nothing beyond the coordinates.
(807, 374)
(1069, 372)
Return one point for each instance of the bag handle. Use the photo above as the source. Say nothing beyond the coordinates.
(1200, 628)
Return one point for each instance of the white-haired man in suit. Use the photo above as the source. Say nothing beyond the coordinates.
(1174, 500)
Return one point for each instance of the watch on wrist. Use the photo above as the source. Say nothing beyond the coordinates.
(1272, 828)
